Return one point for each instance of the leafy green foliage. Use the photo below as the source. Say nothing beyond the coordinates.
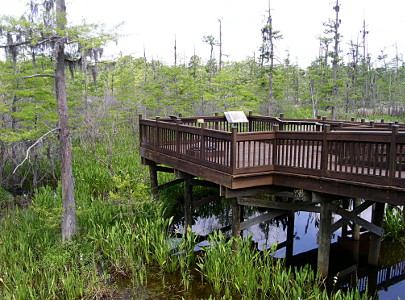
(234, 267)
(394, 225)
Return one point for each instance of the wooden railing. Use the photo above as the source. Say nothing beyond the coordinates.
(265, 144)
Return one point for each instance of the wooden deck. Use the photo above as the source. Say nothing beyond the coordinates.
(351, 159)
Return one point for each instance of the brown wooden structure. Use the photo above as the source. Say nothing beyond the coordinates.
(326, 160)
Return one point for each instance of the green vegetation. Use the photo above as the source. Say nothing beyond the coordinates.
(394, 225)
(234, 267)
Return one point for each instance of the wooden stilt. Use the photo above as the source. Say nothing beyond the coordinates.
(188, 204)
(356, 251)
(345, 205)
(324, 238)
(356, 227)
(236, 218)
(242, 211)
(375, 240)
(153, 180)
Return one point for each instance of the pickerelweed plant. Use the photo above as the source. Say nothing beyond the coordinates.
(394, 225)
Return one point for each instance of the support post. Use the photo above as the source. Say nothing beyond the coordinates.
(153, 180)
(324, 238)
(356, 227)
(236, 218)
(375, 241)
(344, 227)
(188, 204)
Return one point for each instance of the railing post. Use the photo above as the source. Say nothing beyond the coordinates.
(324, 153)
(393, 153)
(202, 139)
(372, 124)
(157, 132)
(233, 148)
(275, 128)
(177, 138)
(141, 137)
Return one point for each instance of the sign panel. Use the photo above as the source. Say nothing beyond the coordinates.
(236, 117)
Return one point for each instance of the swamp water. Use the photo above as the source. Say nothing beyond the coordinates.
(348, 258)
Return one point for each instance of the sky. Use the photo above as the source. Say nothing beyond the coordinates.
(154, 25)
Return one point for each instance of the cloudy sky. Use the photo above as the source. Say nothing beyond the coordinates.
(153, 25)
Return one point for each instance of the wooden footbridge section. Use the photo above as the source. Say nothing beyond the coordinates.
(339, 167)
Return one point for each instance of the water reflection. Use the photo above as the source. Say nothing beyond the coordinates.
(348, 258)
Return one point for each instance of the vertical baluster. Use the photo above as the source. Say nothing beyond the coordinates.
(376, 148)
(275, 146)
(157, 132)
(299, 145)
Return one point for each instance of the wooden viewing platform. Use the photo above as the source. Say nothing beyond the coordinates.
(328, 160)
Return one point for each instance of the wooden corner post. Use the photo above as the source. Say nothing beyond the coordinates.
(375, 240)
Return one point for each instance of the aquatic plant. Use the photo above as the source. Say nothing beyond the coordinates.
(394, 225)
(252, 274)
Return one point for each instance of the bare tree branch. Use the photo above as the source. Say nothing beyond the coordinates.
(28, 42)
(38, 75)
(30, 147)
(109, 167)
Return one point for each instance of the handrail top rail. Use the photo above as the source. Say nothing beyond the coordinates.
(335, 124)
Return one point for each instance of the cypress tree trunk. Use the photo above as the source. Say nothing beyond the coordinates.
(69, 218)
(335, 60)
